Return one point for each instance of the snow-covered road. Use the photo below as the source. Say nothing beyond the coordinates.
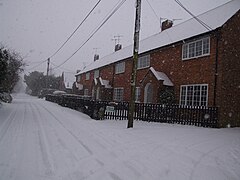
(40, 140)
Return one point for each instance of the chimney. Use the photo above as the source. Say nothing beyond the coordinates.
(166, 24)
(96, 57)
(118, 47)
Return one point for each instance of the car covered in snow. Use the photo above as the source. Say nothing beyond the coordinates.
(45, 91)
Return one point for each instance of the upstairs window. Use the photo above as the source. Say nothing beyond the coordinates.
(87, 76)
(96, 74)
(196, 49)
(120, 68)
(194, 95)
(143, 62)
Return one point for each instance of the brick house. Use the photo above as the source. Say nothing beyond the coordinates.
(194, 64)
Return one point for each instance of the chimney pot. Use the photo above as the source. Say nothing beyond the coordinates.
(118, 47)
(96, 57)
(166, 24)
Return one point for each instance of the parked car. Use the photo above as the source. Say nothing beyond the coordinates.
(46, 91)
(57, 92)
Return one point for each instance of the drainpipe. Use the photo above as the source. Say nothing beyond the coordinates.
(113, 82)
(216, 69)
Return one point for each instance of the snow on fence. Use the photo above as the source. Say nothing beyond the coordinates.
(186, 115)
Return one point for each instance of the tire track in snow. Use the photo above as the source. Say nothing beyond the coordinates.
(5, 127)
(82, 170)
(18, 144)
(13, 144)
(97, 160)
(44, 145)
(203, 156)
(92, 166)
(69, 158)
(69, 131)
(5, 170)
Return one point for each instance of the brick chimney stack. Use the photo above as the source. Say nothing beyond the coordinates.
(118, 47)
(166, 24)
(96, 57)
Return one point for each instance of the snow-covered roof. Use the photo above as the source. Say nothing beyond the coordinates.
(79, 86)
(105, 83)
(69, 79)
(214, 18)
(160, 76)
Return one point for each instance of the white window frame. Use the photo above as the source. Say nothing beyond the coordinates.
(194, 95)
(120, 68)
(195, 49)
(143, 62)
(118, 94)
(85, 92)
(87, 75)
(138, 94)
(96, 73)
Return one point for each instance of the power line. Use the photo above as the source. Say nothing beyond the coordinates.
(37, 65)
(76, 29)
(65, 69)
(95, 31)
(200, 21)
(41, 62)
(153, 10)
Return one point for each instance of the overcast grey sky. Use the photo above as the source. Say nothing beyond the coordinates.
(37, 28)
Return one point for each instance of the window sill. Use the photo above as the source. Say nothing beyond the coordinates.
(196, 57)
(143, 68)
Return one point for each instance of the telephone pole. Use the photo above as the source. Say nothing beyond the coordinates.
(48, 62)
(134, 66)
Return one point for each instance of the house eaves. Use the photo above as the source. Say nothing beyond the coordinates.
(214, 18)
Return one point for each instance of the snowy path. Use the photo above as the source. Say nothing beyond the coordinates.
(40, 140)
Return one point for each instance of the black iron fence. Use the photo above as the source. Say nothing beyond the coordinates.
(186, 115)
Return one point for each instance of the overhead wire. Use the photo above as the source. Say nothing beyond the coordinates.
(95, 31)
(158, 18)
(189, 12)
(65, 69)
(37, 65)
(41, 62)
(76, 29)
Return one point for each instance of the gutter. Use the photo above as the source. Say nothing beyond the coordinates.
(216, 68)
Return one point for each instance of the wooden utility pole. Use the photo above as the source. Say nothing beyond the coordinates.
(134, 66)
(48, 62)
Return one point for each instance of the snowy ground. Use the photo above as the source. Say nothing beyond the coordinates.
(40, 140)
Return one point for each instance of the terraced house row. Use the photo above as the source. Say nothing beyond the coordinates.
(192, 63)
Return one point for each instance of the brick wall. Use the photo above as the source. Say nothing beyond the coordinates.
(183, 72)
(123, 80)
(107, 73)
(229, 73)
